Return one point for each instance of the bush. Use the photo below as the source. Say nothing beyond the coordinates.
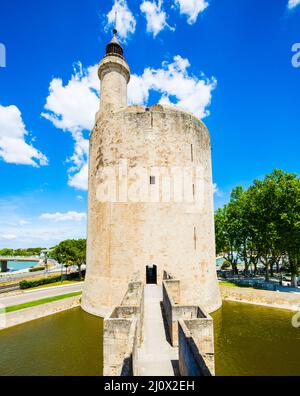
(75, 275)
(37, 269)
(28, 284)
(226, 265)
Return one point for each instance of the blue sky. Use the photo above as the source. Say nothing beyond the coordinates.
(228, 61)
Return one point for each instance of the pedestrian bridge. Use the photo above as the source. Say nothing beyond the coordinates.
(151, 334)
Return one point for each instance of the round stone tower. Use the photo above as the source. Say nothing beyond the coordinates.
(150, 198)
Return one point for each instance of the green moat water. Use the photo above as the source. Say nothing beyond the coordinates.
(256, 341)
(68, 343)
(250, 340)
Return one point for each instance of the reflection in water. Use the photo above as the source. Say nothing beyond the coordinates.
(250, 340)
(253, 340)
(68, 343)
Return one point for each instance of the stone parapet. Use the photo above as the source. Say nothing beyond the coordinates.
(281, 300)
(196, 358)
(123, 334)
(191, 329)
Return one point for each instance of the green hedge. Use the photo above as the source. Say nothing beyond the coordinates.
(28, 284)
(37, 269)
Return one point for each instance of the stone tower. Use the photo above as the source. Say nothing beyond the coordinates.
(150, 197)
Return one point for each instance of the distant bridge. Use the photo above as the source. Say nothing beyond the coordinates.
(5, 259)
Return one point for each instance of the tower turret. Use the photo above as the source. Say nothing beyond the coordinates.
(114, 74)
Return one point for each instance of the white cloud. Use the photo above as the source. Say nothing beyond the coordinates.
(60, 217)
(14, 149)
(192, 8)
(176, 85)
(215, 188)
(293, 3)
(37, 232)
(23, 222)
(72, 107)
(156, 18)
(217, 192)
(80, 179)
(125, 21)
(8, 237)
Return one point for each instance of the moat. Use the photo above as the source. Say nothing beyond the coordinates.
(250, 340)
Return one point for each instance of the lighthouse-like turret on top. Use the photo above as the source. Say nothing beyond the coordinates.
(114, 74)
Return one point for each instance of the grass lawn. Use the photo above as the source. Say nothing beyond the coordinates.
(229, 284)
(40, 302)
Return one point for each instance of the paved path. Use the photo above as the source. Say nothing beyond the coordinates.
(40, 294)
(156, 356)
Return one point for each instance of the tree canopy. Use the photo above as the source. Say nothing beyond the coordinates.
(262, 224)
(70, 252)
(21, 252)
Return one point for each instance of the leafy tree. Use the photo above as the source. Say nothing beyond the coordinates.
(289, 221)
(230, 230)
(71, 252)
(6, 252)
(262, 224)
(226, 265)
(21, 252)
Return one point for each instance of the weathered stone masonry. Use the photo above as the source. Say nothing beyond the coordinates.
(126, 237)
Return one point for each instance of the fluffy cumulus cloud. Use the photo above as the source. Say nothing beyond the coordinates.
(121, 17)
(72, 108)
(15, 145)
(176, 86)
(80, 179)
(61, 217)
(192, 8)
(293, 3)
(155, 16)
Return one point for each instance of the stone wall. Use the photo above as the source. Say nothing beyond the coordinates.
(123, 333)
(124, 237)
(191, 329)
(282, 300)
(174, 312)
(193, 361)
(26, 315)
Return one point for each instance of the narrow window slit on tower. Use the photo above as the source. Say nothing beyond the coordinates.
(192, 153)
(152, 180)
(195, 238)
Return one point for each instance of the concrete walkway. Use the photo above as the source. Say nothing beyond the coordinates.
(156, 357)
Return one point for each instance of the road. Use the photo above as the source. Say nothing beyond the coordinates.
(39, 294)
(17, 277)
